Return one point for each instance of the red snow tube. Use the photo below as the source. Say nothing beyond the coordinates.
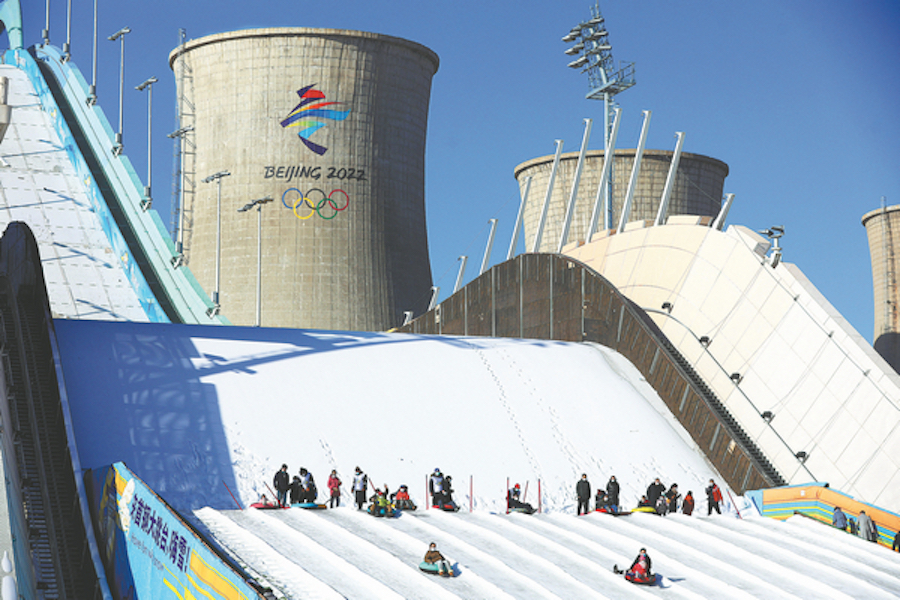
(640, 578)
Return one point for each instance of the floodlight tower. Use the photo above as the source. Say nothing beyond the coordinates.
(595, 58)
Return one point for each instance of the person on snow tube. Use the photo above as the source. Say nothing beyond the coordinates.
(514, 502)
(402, 500)
(601, 501)
(380, 506)
(433, 557)
(639, 571)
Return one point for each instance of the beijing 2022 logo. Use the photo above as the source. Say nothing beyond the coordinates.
(310, 116)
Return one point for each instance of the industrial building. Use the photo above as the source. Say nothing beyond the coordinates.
(330, 125)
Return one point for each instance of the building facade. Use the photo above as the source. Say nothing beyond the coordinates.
(330, 124)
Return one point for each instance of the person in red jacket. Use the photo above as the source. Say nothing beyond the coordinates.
(334, 486)
(687, 507)
(713, 497)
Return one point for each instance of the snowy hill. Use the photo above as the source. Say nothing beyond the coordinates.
(198, 411)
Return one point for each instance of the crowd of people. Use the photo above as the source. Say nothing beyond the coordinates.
(659, 499)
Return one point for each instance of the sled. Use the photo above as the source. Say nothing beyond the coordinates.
(404, 505)
(434, 569)
(309, 505)
(645, 509)
(522, 510)
(648, 579)
(620, 513)
(452, 507)
(266, 506)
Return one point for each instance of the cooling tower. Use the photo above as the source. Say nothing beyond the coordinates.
(697, 190)
(883, 230)
(330, 124)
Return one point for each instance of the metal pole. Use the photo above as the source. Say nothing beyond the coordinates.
(490, 246)
(462, 269)
(570, 207)
(148, 197)
(635, 170)
(540, 230)
(67, 45)
(719, 223)
(46, 32)
(519, 218)
(217, 177)
(92, 91)
(662, 213)
(603, 188)
(259, 264)
(120, 35)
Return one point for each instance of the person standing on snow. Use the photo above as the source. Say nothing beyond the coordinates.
(360, 483)
(583, 491)
(839, 519)
(436, 488)
(282, 483)
(612, 490)
(687, 507)
(672, 497)
(713, 497)
(866, 527)
(334, 487)
(654, 491)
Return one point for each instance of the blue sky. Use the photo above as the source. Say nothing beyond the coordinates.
(798, 97)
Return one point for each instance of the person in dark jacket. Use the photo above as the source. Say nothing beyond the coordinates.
(896, 546)
(687, 507)
(282, 483)
(713, 497)
(612, 490)
(296, 491)
(654, 491)
(839, 519)
(514, 500)
(583, 491)
(601, 501)
(644, 502)
(672, 497)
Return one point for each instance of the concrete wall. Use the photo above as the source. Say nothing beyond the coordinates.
(354, 269)
(697, 190)
(831, 395)
(883, 230)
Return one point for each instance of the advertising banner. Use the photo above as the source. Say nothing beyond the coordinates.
(147, 549)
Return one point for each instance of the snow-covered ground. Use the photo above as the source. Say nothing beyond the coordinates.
(343, 553)
(200, 412)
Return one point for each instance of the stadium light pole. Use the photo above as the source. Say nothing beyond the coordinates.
(92, 90)
(67, 46)
(178, 259)
(148, 85)
(45, 34)
(120, 35)
(217, 177)
(258, 203)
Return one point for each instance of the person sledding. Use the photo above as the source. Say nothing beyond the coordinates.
(380, 505)
(640, 570)
(514, 501)
(401, 499)
(434, 562)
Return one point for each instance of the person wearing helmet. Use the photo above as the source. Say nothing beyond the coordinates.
(514, 501)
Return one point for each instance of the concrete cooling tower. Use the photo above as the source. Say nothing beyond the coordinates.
(697, 190)
(329, 124)
(883, 230)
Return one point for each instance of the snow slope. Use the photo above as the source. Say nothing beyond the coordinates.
(343, 553)
(199, 412)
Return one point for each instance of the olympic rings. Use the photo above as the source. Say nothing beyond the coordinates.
(315, 206)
